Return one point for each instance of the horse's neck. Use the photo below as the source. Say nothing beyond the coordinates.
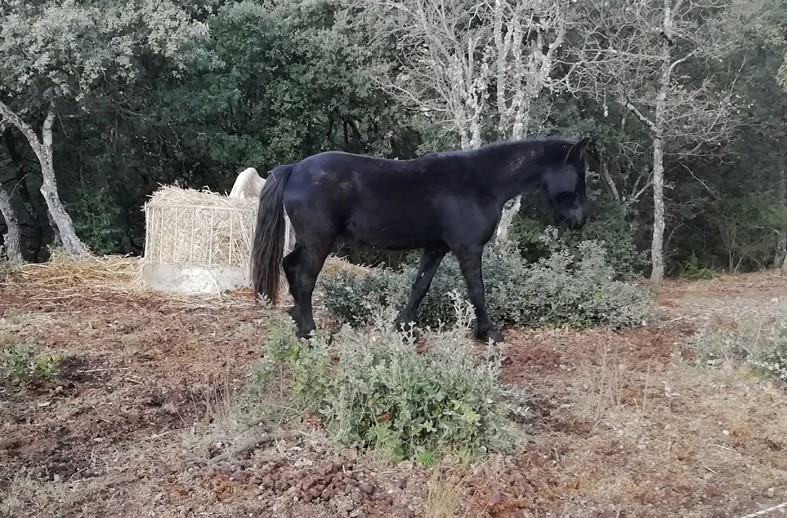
(509, 170)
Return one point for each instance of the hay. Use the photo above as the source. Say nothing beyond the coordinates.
(334, 265)
(114, 273)
(190, 227)
(170, 196)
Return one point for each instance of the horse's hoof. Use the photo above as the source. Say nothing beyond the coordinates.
(493, 335)
(304, 334)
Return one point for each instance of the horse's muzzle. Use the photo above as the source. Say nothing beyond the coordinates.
(574, 218)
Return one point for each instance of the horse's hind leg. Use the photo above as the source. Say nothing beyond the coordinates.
(310, 261)
(291, 265)
(430, 262)
(470, 262)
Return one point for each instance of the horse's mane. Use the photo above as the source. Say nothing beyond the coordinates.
(548, 143)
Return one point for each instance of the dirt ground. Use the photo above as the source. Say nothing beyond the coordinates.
(622, 423)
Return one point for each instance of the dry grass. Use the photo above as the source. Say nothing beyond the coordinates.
(115, 273)
(604, 384)
(701, 434)
(25, 495)
(169, 196)
(221, 424)
(445, 490)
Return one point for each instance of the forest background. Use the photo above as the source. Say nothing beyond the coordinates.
(101, 102)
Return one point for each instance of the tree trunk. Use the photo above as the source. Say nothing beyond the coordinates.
(43, 150)
(13, 249)
(657, 243)
(510, 210)
(780, 260)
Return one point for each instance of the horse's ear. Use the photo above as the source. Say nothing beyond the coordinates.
(576, 151)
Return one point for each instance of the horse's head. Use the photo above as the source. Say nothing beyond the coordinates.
(563, 185)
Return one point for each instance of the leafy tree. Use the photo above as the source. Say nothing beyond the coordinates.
(646, 57)
(55, 56)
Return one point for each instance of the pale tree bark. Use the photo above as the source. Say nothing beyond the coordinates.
(657, 241)
(13, 248)
(42, 148)
(446, 71)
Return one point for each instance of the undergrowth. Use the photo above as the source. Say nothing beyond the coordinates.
(574, 288)
(373, 389)
(693, 271)
(23, 362)
(761, 345)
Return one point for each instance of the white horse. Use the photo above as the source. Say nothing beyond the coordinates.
(249, 185)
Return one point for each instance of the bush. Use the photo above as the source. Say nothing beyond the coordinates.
(692, 270)
(561, 289)
(20, 362)
(612, 225)
(762, 347)
(97, 220)
(7, 268)
(353, 296)
(372, 389)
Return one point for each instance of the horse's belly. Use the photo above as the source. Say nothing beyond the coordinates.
(393, 231)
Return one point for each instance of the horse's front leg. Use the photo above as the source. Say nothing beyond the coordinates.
(430, 262)
(469, 258)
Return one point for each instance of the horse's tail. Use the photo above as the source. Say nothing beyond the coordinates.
(268, 249)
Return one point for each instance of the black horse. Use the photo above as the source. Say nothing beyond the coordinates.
(439, 202)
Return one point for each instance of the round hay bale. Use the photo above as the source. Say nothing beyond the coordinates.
(197, 241)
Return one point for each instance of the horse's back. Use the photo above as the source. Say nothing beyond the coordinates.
(379, 202)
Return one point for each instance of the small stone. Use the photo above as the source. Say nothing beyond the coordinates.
(267, 482)
(327, 494)
(367, 488)
(496, 498)
(240, 476)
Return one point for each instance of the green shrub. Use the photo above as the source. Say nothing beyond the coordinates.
(563, 288)
(97, 220)
(372, 389)
(763, 347)
(354, 297)
(613, 225)
(692, 270)
(21, 362)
